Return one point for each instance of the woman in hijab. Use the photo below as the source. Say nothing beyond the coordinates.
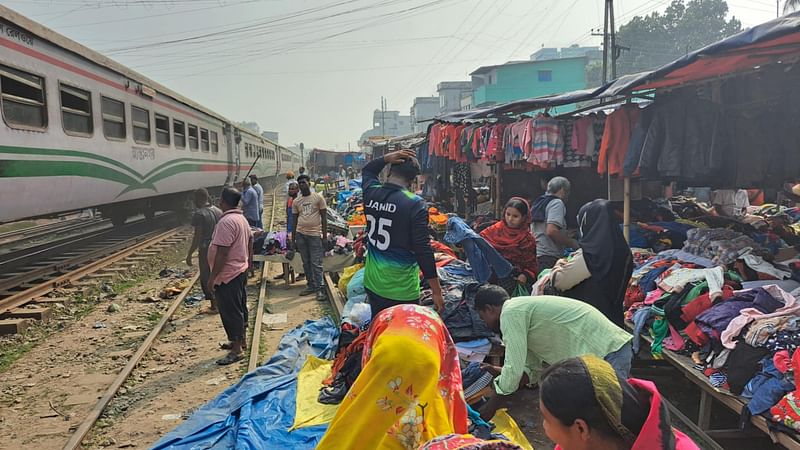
(512, 238)
(599, 272)
(586, 405)
(400, 402)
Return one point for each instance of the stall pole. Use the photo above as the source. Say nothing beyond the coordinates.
(626, 210)
(498, 207)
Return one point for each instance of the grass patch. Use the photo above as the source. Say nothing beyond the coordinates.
(13, 348)
(154, 316)
(16, 226)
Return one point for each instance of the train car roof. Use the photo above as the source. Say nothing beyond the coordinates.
(95, 57)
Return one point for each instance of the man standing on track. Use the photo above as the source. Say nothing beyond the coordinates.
(229, 256)
(309, 232)
(398, 238)
(260, 190)
(250, 204)
(204, 220)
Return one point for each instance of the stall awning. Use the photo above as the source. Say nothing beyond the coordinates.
(521, 106)
(769, 43)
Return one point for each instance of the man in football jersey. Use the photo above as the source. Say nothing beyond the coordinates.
(397, 234)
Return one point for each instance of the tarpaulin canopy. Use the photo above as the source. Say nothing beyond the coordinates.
(258, 411)
(771, 42)
(521, 106)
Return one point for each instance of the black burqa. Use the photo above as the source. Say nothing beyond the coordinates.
(608, 258)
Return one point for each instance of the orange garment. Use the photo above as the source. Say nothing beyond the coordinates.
(616, 137)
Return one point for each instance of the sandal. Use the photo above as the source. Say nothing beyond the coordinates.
(230, 358)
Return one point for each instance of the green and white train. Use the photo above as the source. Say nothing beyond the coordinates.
(82, 131)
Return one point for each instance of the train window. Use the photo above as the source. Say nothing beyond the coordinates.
(113, 118)
(23, 98)
(141, 125)
(162, 130)
(179, 133)
(203, 139)
(193, 137)
(214, 142)
(76, 111)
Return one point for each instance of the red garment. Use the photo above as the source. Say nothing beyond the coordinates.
(616, 137)
(782, 361)
(652, 435)
(356, 346)
(786, 410)
(441, 248)
(435, 138)
(517, 245)
(697, 335)
(703, 302)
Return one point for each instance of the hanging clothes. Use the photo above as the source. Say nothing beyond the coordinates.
(547, 146)
(616, 139)
(583, 141)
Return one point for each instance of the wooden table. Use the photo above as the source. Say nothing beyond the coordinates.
(709, 393)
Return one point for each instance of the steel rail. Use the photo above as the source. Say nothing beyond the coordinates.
(262, 294)
(87, 424)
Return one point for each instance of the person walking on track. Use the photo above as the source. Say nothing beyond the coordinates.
(204, 220)
(229, 256)
(309, 232)
(260, 191)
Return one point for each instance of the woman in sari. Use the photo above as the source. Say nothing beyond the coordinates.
(586, 405)
(512, 238)
(409, 389)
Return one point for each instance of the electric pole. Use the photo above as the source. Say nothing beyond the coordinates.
(383, 116)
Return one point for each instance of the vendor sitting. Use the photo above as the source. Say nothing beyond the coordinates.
(512, 238)
(545, 329)
(599, 272)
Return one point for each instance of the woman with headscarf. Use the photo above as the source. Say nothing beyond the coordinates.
(586, 405)
(512, 238)
(599, 272)
(409, 389)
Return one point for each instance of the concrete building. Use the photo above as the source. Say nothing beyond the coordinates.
(388, 123)
(451, 93)
(517, 80)
(271, 135)
(423, 110)
(573, 51)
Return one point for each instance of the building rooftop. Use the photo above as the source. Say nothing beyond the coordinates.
(487, 69)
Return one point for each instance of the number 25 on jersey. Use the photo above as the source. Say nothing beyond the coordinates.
(378, 233)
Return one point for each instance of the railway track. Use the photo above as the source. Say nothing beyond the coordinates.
(15, 237)
(27, 276)
(84, 428)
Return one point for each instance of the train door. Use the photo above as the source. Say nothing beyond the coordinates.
(232, 155)
(278, 157)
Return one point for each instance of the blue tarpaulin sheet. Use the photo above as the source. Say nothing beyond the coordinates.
(257, 412)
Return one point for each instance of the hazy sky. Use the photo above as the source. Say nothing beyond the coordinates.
(314, 70)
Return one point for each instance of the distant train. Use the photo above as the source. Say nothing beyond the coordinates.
(82, 131)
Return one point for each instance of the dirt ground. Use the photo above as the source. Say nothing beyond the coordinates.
(55, 384)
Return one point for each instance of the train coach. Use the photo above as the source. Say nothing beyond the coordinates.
(80, 130)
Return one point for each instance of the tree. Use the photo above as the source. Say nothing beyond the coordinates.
(660, 38)
(791, 5)
(594, 74)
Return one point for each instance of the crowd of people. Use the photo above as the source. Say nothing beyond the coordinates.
(558, 312)
(223, 239)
